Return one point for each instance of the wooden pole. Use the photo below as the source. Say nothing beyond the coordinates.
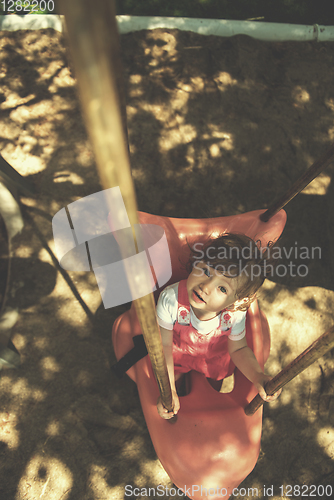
(315, 169)
(91, 28)
(319, 347)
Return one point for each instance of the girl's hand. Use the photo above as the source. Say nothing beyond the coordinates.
(260, 383)
(176, 406)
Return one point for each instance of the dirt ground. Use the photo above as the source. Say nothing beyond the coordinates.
(216, 127)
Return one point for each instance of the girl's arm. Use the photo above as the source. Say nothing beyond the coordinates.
(245, 360)
(167, 342)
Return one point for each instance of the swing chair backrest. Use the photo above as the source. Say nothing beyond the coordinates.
(183, 233)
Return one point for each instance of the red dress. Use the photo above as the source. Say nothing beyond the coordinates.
(205, 353)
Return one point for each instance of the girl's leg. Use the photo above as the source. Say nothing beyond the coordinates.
(225, 385)
(182, 383)
(216, 384)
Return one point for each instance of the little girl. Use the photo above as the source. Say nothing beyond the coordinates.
(202, 319)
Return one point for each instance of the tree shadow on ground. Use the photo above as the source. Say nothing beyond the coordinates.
(216, 127)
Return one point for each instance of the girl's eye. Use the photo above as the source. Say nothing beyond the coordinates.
(223, 289)
(207, 272)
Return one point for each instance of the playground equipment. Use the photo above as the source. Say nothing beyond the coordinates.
(11, 223)
(213, 444)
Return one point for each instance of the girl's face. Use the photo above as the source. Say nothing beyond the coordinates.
(209, 291)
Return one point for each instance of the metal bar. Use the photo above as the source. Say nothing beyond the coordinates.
(319, 347)
(91, 29)
(314, 170)
(13, 177)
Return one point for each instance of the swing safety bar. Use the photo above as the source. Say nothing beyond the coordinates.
(315, 351)
(93, 37)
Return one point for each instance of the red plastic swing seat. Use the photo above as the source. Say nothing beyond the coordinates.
(213, 445)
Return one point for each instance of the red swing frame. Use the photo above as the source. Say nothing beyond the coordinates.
(213, 445)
